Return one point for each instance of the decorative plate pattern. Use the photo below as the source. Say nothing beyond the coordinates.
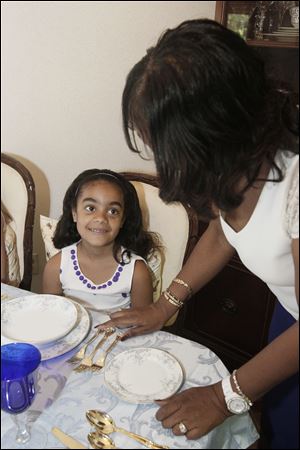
(38, 319)
(143, 375)
(68, 342)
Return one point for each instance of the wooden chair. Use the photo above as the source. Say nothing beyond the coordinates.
(18, 195)
(176, 224)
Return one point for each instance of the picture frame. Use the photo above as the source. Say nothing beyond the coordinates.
(238, 23)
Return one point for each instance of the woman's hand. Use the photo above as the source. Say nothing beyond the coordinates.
(139, 320)
(200, 409)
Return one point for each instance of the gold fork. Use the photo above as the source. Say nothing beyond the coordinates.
(80, 354)
(99, 364)
(87, 362)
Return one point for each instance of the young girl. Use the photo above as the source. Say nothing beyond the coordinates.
(104, 246)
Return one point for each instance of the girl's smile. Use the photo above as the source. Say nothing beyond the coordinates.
(99, 212)
(98, 230)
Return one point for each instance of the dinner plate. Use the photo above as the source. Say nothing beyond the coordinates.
(37, 319)
(143, 375)
(67, 342)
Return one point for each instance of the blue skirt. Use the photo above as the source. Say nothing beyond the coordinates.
(280, 419)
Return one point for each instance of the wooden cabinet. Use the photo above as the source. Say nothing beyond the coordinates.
(270, 27)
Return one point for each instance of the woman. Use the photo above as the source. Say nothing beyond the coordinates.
(223, 140)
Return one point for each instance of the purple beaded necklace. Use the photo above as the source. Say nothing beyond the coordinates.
(86, 282)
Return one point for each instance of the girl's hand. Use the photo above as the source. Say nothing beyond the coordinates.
(200, 409)
(139, 320)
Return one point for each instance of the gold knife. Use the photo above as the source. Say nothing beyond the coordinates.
(65, 439)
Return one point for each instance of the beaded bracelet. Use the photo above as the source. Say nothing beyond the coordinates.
(183, 283)
(237, 386)
(173, 299)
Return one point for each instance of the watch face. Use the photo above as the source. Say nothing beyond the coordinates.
(237, 405)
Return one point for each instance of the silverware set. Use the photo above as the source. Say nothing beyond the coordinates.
(104, 425)
(98, 438)
(86, 362)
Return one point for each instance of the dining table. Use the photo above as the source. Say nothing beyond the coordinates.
(65, 395)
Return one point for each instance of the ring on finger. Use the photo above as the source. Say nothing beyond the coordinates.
(182, 428)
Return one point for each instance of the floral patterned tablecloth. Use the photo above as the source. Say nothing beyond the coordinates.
(64, 397)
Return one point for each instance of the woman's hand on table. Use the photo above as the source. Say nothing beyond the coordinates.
(200, 409)
(139, 320)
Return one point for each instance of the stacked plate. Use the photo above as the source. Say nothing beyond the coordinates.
(53, 324)
(284, 34)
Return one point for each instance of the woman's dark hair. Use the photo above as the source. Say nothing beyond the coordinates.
(132, 235)
(202, 102)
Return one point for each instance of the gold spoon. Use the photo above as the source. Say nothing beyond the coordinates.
(100, 440)
(105, 424)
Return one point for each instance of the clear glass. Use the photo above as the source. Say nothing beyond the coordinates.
(19, 367)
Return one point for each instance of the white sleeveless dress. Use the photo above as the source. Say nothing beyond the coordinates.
(108, 296)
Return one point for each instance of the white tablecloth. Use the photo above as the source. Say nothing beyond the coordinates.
(64, 397)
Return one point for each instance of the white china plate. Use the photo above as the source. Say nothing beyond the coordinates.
(69, 341)
(143, 375)
(37, 319)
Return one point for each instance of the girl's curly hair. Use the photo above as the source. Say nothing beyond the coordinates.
(132, 235)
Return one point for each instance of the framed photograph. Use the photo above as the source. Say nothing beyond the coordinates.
(238, 23)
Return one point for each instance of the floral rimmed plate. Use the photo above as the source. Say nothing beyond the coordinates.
(143, 375)
(67, 342)
(37, 319)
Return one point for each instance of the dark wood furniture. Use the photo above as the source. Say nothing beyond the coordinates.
(278, 44)
(29, 219)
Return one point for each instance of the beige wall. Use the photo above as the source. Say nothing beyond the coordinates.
(64, 66)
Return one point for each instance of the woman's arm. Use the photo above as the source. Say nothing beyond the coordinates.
(142, 288)
(51, 280)
(209, 256)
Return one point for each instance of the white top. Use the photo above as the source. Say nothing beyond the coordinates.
(264, 244)
(110, 295)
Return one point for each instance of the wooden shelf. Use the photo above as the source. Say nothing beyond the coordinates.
(271, 44)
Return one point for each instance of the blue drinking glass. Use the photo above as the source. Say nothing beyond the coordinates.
(19, 366)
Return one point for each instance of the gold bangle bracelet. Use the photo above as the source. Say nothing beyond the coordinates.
(183, 283)
(173, 299)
